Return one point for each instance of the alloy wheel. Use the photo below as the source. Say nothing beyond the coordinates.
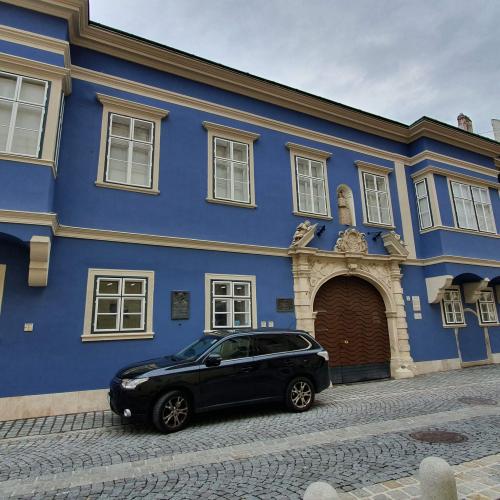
(175, 412)
(301, 394)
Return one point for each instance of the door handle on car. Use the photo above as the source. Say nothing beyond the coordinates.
(247, 369)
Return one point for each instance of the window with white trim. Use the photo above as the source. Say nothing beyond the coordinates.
(231, 304)
(119, 304)
(453, 313)
(423, 204)
(487, 309)
(376, 190)
(129, 156)
(231, 170)
(23, 103)
(473, 208)
(311, 191)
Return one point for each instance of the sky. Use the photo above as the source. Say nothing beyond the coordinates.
(401, 59)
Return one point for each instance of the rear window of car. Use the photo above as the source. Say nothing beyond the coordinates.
(281, 342)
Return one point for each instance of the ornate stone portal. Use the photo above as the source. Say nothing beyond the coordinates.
(313, 267)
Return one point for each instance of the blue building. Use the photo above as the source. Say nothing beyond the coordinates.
(148, 196)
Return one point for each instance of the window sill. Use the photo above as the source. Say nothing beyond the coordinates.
(462, 325)
(97, 337)
(460, 230)
(27, 159)
(313, 216)
(487, 325)
(233, 203)
(375, 224)
(124, 187)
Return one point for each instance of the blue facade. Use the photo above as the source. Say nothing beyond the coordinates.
(182, 237)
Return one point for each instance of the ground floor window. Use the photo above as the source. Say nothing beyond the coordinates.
(453, 313)
(230, 302)
(119, 304)
(487, 308)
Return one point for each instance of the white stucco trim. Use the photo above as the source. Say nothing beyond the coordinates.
(436, 286)
(404, 207)
(59, 403)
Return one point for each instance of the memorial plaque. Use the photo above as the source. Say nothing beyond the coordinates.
(180, 305)
(284, 305)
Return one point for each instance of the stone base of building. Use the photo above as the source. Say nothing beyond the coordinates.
(59, 403)
(437, 365)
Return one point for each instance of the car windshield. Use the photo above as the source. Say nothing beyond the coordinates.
(197, 348)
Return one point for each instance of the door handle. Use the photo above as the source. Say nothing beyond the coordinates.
(346, 341)
(246, 369)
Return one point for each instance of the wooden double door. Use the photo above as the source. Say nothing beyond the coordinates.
(352, 326)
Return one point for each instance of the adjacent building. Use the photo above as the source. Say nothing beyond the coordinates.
(148, 196)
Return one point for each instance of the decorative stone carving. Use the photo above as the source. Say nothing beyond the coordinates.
(344, 210)
(394, 244)
(472, 291)
(351, 241)
(39, 261)
(436, 285)
(303, 234)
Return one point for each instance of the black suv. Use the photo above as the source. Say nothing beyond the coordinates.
(220, 370)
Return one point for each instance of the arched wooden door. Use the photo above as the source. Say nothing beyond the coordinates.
(352, 326)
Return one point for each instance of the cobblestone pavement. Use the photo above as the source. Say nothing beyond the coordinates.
(355, 436)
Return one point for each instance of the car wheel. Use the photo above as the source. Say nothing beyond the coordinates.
(172, 411)
(299, 394)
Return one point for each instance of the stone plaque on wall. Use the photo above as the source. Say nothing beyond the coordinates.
(284, 305)
(180, 305)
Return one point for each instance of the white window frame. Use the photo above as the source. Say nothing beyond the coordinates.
(93, 296)
(489, 303)
(114, 106)
(231, 298)
(310, 155)
(210, 279)
(474, 204)
(59, 132)
(16, 101)
(423, 199)
(232, 135)
(457, 307)
(378, 171)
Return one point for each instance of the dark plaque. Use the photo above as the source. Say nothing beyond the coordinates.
(284, 305)
(180, 305)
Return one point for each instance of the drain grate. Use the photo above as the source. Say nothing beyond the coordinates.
(477, 400)
(439, 437)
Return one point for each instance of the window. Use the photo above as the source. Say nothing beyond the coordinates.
(231, 170)
(230, 301)
(423, 204)
(310, 181)
(272, 344)
(453, 313)
(22, 111)
(231, 304)
(310, 186)
(129, 155)
(472, 207)
(119, 304)
(487, 308)
(235, 348)
(230, 165)
(376, 199)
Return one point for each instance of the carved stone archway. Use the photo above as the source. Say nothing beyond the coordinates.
(313, 267)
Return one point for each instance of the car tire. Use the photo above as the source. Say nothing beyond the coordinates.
(299, 395)
(172, 412)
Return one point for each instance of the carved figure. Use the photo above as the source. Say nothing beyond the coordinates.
(344, 210)
(352, 241)
(302, 229)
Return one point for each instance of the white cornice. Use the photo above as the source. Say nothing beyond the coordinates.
(224, 129)
(455, 175)
(132, 106)
(308, 151)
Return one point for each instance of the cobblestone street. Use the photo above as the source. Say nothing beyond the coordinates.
(356, 436)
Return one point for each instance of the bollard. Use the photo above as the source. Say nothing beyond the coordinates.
(437, 480)
(320, 491)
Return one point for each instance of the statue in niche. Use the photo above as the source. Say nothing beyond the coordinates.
(344, 210)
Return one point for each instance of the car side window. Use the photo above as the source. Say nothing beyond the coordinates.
(235, 348)
(273, 344)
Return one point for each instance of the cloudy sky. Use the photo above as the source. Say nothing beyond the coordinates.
(398, 58)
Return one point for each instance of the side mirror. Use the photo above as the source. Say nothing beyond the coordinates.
(213, 360)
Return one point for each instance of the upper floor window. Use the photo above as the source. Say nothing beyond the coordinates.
(423, 204)
(487, 308)
(453, 313)
(472, 207)
(376, 192)
(22, 112)
(310, 181)
(230, 165)
(130, 151)
(119, 304)
(130, 145)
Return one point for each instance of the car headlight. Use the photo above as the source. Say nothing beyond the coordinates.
(132, 383)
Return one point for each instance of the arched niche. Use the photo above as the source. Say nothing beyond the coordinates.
(347, 213)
